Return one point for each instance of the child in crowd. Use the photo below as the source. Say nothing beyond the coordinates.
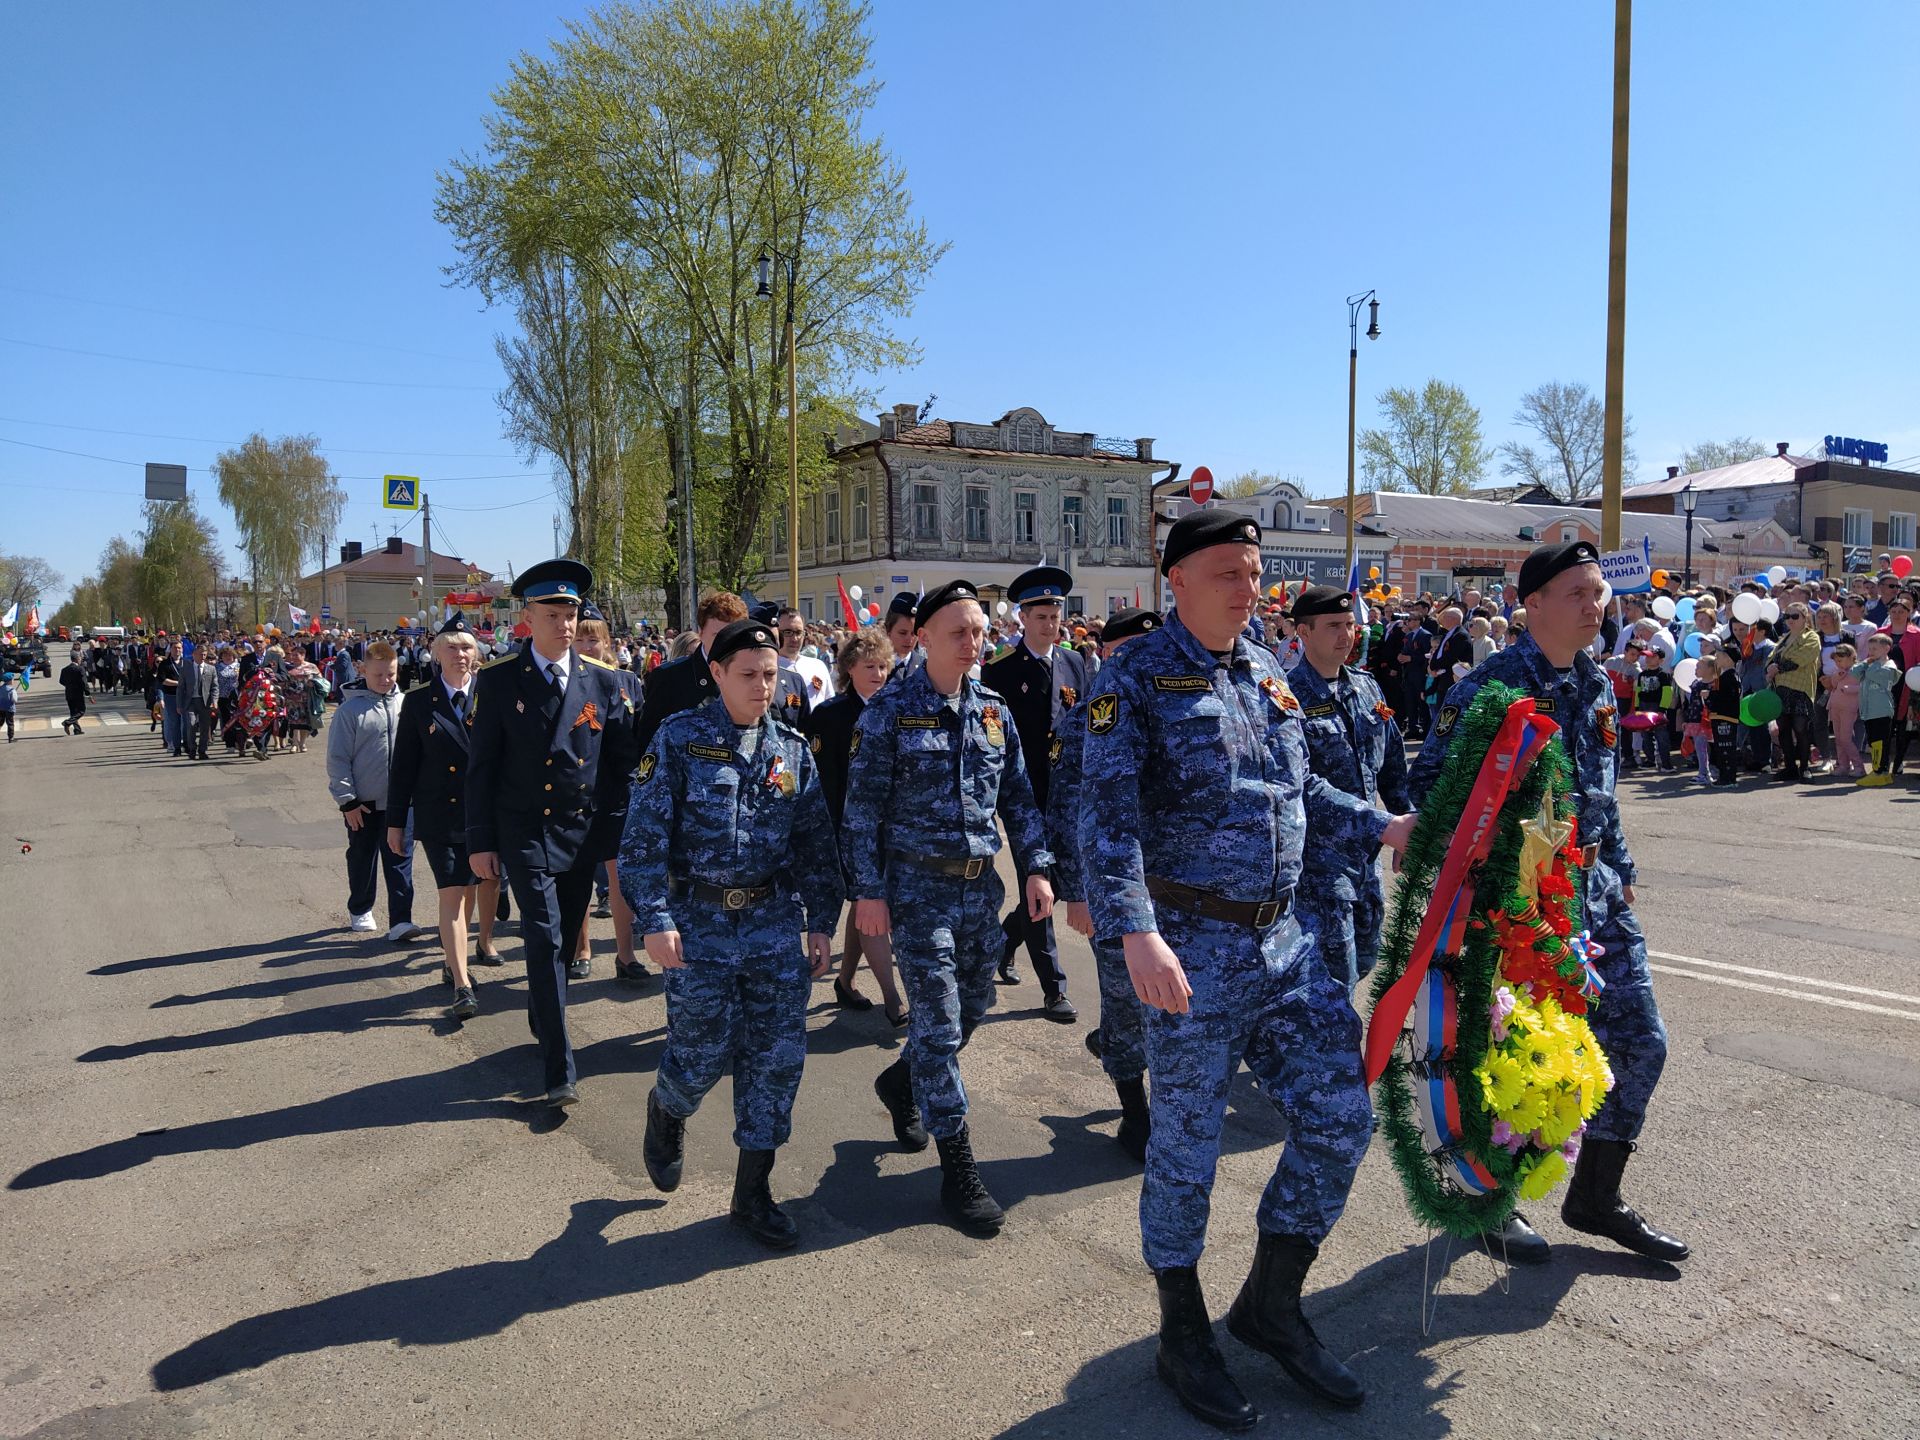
(1723, 718)
(1652, 694)
(1621, 670)
(1879, 691)
(1696, 732)
(9, 698)
(1843, 710)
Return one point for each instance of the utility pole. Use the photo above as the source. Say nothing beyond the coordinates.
(426, 557)
(1613, 442)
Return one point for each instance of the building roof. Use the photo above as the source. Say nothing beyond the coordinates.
(938, 435)
(1459, 518)
(1767, 470)
(382, 565)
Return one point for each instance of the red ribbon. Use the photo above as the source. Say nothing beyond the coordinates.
(1519, 741)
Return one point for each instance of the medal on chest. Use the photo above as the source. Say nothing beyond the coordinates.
(1277, 691)
(780, 776)
(990, 718)
(1068, 696)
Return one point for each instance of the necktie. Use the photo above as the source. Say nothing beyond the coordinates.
(460, 704)
(557, 680)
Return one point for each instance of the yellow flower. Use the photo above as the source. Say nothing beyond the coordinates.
(1529, 1114)
(1504, 1080)
(1549, 1172)
(1564, 1121)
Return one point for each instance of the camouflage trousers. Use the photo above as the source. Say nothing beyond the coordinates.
(1626, 1018)
(1123, 1026)
(946, 945)
(739, 1006)
(1262, 997)
(1342, 917)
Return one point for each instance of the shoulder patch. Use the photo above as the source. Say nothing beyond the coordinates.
(917, 722)
(645, 772)
(601, 663)
(511, 655)
(1103, 713)
(1182, 684)
(719, 753)
(1449, 714)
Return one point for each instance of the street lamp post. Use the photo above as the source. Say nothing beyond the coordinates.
(765, 291)
(1354, 302)
(1687, 501)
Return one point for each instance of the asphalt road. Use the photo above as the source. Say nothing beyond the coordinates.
(258, 1187)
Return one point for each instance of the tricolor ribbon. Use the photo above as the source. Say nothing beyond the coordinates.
(1590, 982)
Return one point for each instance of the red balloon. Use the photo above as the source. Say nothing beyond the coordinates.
(1903, 565)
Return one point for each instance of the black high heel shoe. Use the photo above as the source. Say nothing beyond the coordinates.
(848, 998)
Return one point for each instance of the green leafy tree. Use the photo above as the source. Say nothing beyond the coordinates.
(1253, 482)
(179, 565)
(25, 580)
(1428, 442)
(285, 503)
(1712, 454)
(1569, 423)
(659, 151)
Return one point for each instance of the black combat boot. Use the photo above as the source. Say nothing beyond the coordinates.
(1593, 1203)
(962, 1191)
(1266, 1315)
(1136, 1121)
(665, 1147)
(1518, 1241)
(753, 1208)
(1189, 1361)
(894, 1086)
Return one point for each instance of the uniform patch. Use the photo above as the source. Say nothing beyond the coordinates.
(814, 744)
(1448, 715)
(709, 752)
(1318, 710)
(1103, 711)
(1544, 705)
(1182, 684)
(1055, 749)
(1603, 716)
(645, 772)
(918, 722)
(853, 745)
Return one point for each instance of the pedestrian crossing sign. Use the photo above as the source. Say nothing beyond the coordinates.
(402, 492)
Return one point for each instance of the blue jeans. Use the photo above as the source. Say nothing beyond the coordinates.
(173, 721)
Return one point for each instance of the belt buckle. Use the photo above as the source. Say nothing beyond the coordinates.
(975, 864)
(734, 899)
(1265, 913)
(1589, 855)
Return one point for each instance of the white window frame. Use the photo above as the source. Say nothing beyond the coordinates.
(1432, 582)
(926, 507)
(1124, 514)
(984, 510)
(1073, 522)
(833, 517)
(1910, 524)
(1026, 517)
(1568, 534)
(1848, 534)
(860, 520)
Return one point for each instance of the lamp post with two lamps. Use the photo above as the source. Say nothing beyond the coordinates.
(1371, 300)
(764, 266)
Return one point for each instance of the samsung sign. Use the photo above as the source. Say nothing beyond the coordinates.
(1872, 451)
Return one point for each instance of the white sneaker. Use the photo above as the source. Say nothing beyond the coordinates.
(363, 922)
(399, 932)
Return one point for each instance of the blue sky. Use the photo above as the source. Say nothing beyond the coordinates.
(1156, 212)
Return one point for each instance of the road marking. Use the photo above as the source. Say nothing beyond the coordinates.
(1790, 994)
(112, 717)
(1904, 999)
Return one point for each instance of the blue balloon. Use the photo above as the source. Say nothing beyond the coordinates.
(1762, 580)
(1683, 612)
(1690, 646)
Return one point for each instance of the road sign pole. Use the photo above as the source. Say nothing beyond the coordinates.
(426, 551)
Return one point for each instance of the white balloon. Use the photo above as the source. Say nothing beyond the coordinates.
(854, 591)
(1770, 611)
(1663, 606)
(1777, 574)
(1685, 673)
(1001, 608)
(1913, 678)
(1746, 608)
(1606, 593)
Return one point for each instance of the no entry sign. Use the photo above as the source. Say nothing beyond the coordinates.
(1200, 487)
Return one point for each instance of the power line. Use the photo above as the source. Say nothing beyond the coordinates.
(111, 460)
(255, 374)
(210, 440)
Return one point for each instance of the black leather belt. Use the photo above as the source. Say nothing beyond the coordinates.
(1255, 914)
(972, 868)
(727, 897)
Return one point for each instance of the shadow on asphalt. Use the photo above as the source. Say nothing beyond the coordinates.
(295, 943)
(1371, 1320)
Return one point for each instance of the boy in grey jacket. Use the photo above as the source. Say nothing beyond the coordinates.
(359, 757)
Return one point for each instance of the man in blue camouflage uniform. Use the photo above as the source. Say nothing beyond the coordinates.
(1120, 1041)
(1565, 596)
(727, 857)
(1196, 804)
(936, 758)
(1354, 745)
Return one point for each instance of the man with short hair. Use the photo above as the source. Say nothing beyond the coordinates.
(790, 629)
(360, 743)
(687, 682)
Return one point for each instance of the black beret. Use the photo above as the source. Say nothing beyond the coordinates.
(901, 604)
(1321, 600)
(764, 612)
(1199, 529)
(1549, 560)
(591, 611)
(557, 580)
(1044, 584)
(948, 593)
(742, 635)
(1123, 623)
(456, 625)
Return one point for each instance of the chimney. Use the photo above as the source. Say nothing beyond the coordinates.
(1143, 449)
(888, 428)
(1673, 472)
(395, 545)
(1780, 448)
(350, 552)
(905, 417)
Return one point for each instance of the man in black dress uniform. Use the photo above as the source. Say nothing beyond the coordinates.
(1040, 682)
(687, 683)
(553, 737)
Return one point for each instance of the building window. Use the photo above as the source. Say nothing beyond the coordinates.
(977, 526)
(1859, 527)
(1900, 528)
(1024, 530)
(926, 512)
(1283, 516)
(1569, 534)
(1433, 582)
(833, 517)
(1072, 522)
(859, 512)
(780, 530)
(1117, 520)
